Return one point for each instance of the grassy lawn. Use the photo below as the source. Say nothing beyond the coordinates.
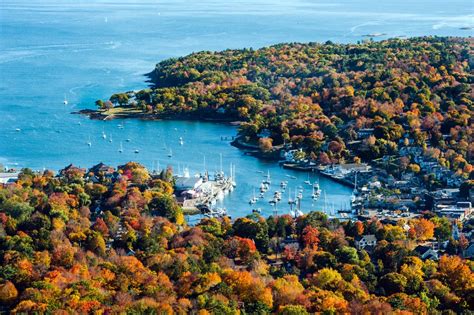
(122, 111)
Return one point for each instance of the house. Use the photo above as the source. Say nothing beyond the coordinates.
(363, 241)
(426, 252)
(365, 133)
(290, 155)
(415, 151)
(469, 251)
(291, 244)
(101, 168)
(406, 228)
(71, 169)
(455, 232)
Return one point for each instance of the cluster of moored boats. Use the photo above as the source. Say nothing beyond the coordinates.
(277, 195)
(120, 149)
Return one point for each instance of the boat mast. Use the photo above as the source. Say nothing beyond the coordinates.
(325, 204)
(220, 158)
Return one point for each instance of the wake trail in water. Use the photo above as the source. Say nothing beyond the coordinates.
(31, 51)
(361, 25)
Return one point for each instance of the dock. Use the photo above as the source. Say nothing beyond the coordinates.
(199, 194)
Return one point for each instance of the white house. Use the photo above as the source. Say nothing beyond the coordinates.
(363, 241)
(426, 252)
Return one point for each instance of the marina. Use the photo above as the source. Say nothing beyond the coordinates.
(39, 132)
(153, 143)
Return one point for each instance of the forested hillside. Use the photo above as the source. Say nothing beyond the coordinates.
(111, 241)
(415, 92)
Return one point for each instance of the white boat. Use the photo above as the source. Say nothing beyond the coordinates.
(316, 191)
(104, 135)
(291, 201)
(120, 126)
(89, 143)
(170, 154)
(128, 140)
(65, 102)
(277, 196)
(181, 142)
(121, 147)
(254, 199)
(17, 129)
(110, 138)
(267, 180)
(307, 182)
(136, 151)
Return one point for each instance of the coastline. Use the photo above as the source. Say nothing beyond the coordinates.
(129, 112)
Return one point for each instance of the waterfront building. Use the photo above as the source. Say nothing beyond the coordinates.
(187, 183)
(8, 178)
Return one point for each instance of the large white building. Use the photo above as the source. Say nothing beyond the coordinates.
(8, 178)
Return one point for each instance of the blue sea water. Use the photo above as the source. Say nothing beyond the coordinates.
(85, 50)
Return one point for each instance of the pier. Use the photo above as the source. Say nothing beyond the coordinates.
(213, 191)
(199, 194)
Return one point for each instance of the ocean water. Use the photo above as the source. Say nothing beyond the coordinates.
(85, 50)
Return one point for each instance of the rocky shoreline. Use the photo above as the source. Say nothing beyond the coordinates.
(131, 113)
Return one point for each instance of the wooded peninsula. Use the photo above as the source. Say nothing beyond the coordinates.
(337, 102)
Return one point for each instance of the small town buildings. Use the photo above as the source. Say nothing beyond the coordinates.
(343, 170)
(460, 211)
(442, 197)
(361, 242)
